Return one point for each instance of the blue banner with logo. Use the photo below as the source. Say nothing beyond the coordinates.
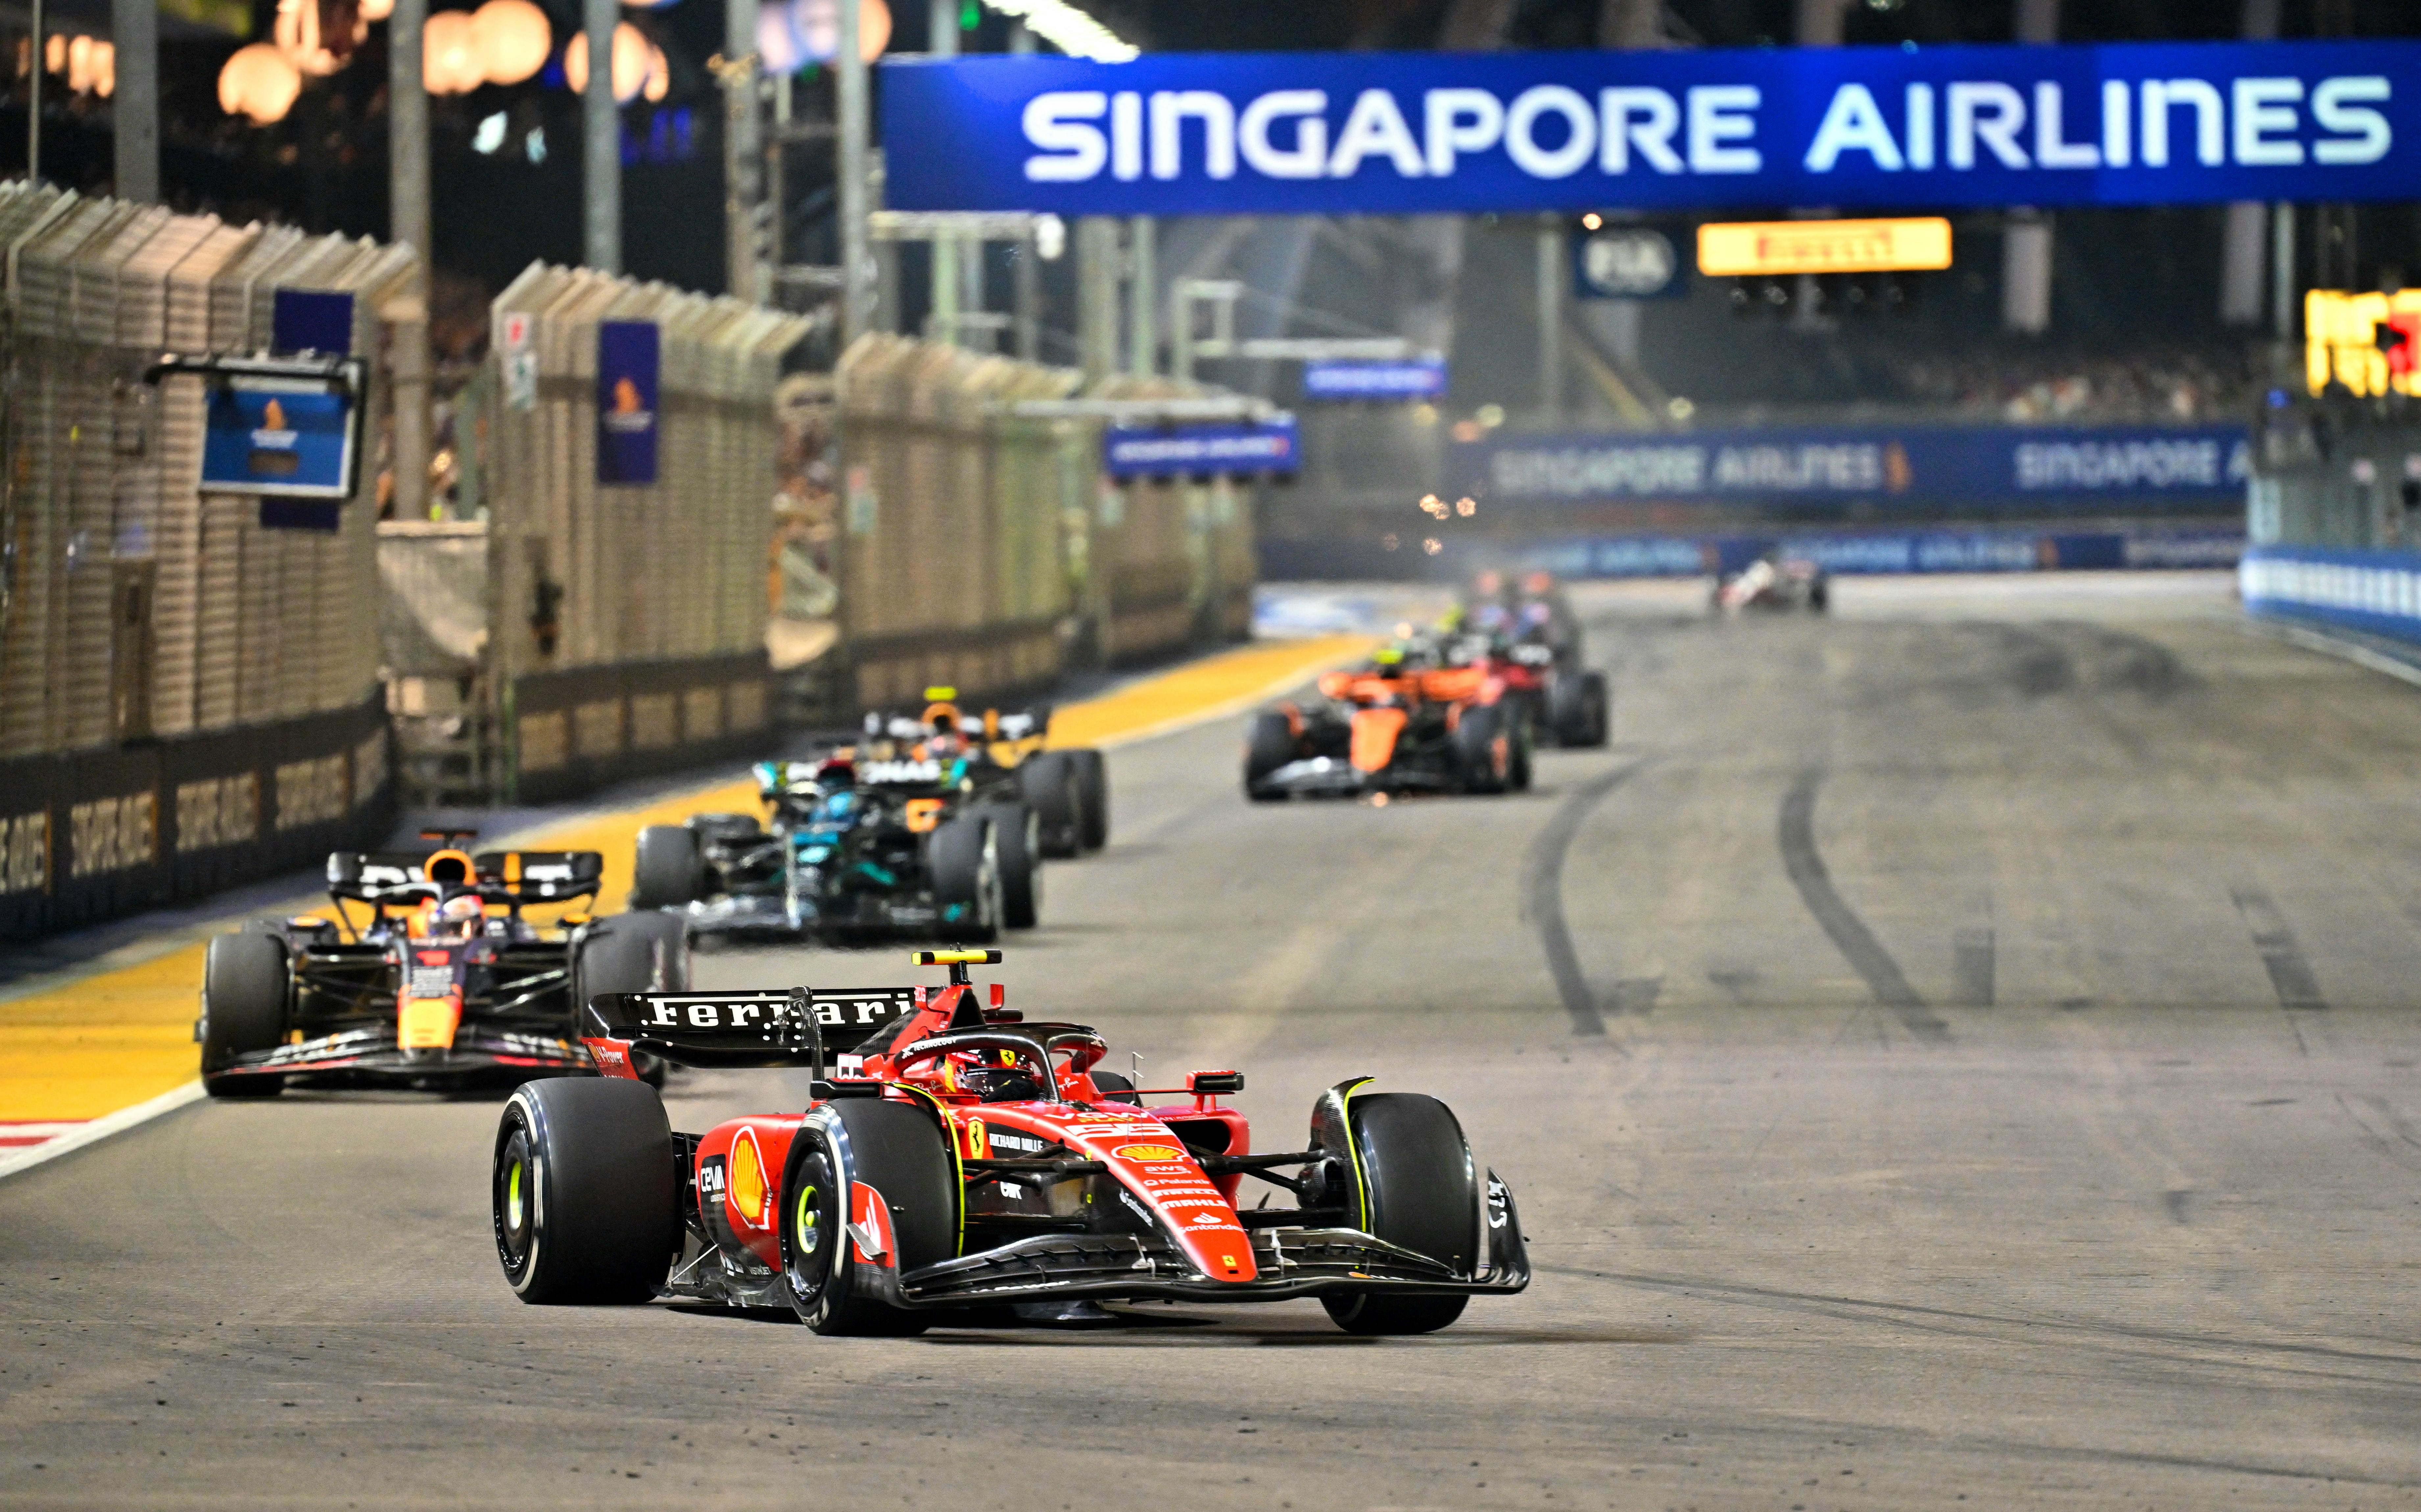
(628, 366)
(281, 438)
(1935, 466)
(1269, 446)
(1855, 128)
(1422, 378)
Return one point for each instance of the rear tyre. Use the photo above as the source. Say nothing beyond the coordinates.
(897, 1151)
(670, 867)
(1416, 1188)
(1116, 1088)
(1484, 738)
(1581, 710)
(630, 952)
(244, 979)
(584, 1196)
(965, 864)
(1017, 833)
(1092, 796)
(1269, 744)
(1047, 780)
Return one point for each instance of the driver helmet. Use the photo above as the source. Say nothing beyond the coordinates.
(460, 918)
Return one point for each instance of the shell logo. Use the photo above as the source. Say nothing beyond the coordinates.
(1149, 1152)
(751, 1195)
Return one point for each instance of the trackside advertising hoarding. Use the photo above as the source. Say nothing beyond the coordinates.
(2185, 467)
(1281, 133)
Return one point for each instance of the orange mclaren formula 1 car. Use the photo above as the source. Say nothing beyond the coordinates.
(1410, 721)
(959, 1165)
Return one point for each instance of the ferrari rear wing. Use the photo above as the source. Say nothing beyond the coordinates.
(800, 1027)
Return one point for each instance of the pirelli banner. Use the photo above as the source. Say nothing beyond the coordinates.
(90, 836)
(1909, 471)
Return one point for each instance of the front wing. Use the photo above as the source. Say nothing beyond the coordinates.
(1296, 1262)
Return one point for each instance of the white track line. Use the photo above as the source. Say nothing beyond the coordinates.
(100, 1129)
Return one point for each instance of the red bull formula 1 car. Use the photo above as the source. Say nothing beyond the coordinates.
(959, 1164)
(445, 982)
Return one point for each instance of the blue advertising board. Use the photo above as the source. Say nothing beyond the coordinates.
(1937, 465)
(1854, 127)
(628, 374)
(1422, 378)
(290, 438)
(2374, 591)
(1271, 447)
(310, 320)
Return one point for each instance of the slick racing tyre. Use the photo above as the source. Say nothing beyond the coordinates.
(1484, 741)
(1092, 797)
(1416, 1188)
(1047, 780)
(630, 952)
(1115, 1087)
(586, 1205)
(243, 1011)
(710, 828)
(965, 859)
(1269, 744)
(897, 1151)
(1580, 711)
(670, 867)
(1017, 835)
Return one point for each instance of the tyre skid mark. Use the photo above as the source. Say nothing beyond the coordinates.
(1849, 933)
(1542, 897)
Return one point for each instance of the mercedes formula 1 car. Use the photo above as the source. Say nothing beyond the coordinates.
(926, 826)
(445, 983)
(1416, 719)
(959, 1165)
(1774, 581)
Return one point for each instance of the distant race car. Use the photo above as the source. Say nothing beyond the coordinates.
(1535, 639)
(959, 1165)
(445, 983)
(1416, 718)
(1774, 581)
(924, 826)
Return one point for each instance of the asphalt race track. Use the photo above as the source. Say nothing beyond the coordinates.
(1959, 1051)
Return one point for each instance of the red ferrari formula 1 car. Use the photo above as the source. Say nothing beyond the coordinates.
(959, 1164)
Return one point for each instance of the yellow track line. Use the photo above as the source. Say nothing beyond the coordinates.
(104, 1041)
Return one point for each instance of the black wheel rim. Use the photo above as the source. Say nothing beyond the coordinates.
(516, 1203)
(812, 1230)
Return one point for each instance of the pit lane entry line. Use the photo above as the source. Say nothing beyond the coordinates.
(112, 1048)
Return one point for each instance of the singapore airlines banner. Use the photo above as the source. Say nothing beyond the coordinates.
(2200, 468)
(1849, 128)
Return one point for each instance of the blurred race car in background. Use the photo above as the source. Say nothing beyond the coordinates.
(1423, 715)
(1534, 635)
(958, 1163)
(927, 825)
(1774, 581)
(445, 983)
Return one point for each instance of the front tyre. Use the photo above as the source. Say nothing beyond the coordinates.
(244, 1011)
(1414, 1185)
(1092, 796)
(1269, 744)
(897, 1152)
(585, 1204)
(1017, 835)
